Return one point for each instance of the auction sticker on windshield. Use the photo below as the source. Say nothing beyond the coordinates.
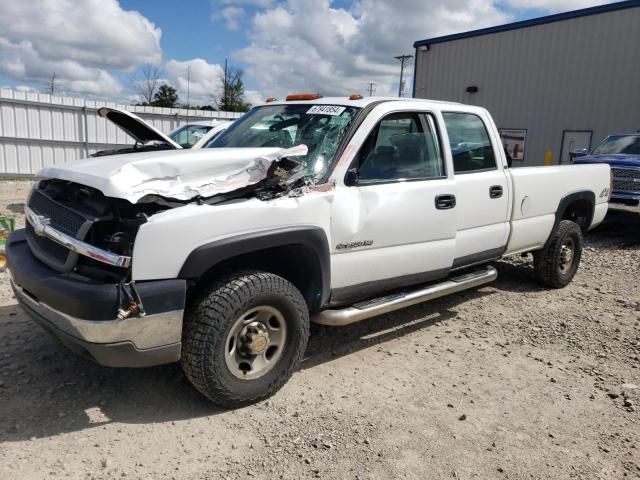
(326, 110)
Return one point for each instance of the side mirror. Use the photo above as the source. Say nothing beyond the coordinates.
(352, 177)
(578, 152)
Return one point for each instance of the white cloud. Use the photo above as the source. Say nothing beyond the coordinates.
(232, 11)
(553, 6)
(308, 45)
(80, 41)
(231, 16)
(24, 88)
(255, 3)
(204, 79)
(253, 97)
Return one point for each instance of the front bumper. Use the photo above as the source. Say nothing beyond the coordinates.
(625, 203)
(82, 312)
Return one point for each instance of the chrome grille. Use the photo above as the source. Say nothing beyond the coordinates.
(61, 218)
(626, 179)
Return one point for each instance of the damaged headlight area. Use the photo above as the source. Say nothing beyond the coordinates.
(71, 227)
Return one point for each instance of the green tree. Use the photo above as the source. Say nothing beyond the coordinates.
(231, 98)
(166, 96)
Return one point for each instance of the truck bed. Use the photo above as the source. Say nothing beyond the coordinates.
(537, 193)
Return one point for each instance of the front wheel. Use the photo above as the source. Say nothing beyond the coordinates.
(244, 337)
(557, 263)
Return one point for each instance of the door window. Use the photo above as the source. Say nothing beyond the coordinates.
(403, 146)
(470, 143)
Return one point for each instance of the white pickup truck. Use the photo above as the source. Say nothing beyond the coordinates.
(331, 210)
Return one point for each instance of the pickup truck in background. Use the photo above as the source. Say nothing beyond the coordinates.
(621, 151)
(332, 210)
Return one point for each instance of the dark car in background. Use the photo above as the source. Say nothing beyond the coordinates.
(622, 152)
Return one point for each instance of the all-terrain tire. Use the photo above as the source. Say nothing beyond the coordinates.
(550, 264)
(208, 323)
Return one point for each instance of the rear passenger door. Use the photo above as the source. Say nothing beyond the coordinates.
(483, 192)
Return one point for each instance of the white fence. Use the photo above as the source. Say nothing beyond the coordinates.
(39, 129)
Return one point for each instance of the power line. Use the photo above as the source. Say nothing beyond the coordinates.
(403, 59)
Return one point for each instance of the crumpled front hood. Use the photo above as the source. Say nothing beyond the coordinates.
(180, 175)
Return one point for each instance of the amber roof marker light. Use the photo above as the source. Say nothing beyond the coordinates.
(303, 96)
(356, 96)
(271, 99)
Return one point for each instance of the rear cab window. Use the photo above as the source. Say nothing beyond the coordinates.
(470, 143)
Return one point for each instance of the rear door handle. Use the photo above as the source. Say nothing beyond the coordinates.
(445, 202)
(495, 191)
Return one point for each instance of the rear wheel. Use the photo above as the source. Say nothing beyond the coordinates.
(244, 337)
(557, 263)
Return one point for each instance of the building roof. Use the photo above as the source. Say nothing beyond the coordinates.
(611, 7)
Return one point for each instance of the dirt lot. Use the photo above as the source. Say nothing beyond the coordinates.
(509, 381)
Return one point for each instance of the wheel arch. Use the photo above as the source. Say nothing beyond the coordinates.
(577, 206)
(299, 254)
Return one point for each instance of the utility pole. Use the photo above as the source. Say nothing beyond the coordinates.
(403, 59)
(188, 85)
(51, 87)
(372, 88)
(226, 88)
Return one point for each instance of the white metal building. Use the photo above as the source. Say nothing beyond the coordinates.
(552, 84)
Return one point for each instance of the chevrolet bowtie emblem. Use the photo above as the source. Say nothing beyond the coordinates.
(39, 223)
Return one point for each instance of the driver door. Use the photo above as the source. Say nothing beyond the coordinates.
(395, 225)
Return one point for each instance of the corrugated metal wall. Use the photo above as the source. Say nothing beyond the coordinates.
(577, 74)
(38, 129)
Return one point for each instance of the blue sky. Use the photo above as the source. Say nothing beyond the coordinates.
(187, 29)
(97, 47)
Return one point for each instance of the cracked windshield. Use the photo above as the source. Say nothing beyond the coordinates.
(319, 127)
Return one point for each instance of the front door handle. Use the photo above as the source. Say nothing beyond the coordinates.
(445, 202)
(495, 191)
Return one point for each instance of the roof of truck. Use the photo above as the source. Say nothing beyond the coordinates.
(360, 103)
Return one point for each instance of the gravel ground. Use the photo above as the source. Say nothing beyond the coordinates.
(508, 381)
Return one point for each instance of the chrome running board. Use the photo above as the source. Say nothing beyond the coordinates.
(390, 303)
